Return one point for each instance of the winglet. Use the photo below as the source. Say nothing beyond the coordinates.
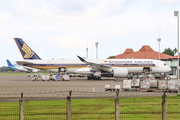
(81, 58)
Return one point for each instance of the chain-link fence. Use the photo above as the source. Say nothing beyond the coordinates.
(81, 104)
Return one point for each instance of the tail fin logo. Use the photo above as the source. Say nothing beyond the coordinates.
(28, 51)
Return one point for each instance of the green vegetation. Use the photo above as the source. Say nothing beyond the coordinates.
(11, 73)
(20, 73)
(139, 108)
(111, 57)
(168, 51)
(6, 69)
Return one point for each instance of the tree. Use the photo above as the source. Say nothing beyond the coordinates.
(168, 51)
(111, 57)
(175, 51)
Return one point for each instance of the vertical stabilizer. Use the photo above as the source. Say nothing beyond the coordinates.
(25, 50)
(10, 64)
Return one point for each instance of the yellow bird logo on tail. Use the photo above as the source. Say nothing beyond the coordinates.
(28, 51)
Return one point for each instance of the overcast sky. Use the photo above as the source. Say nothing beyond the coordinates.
(64, 28)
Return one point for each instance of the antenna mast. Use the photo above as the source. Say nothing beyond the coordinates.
(159, 39)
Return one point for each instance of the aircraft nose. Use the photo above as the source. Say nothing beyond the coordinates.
(169, 69)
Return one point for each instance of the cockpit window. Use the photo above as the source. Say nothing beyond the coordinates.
(164, 64)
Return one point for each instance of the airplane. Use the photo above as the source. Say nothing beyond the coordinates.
(21, 68)
(93, 68)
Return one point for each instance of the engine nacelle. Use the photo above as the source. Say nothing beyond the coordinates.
(120, 72)
(34, 70)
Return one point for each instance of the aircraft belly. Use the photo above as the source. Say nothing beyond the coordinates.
(52, 70)
(134, 69)
(160, 70)
(80, 71)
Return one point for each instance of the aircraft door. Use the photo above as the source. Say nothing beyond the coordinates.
(157, 64)
(48, 64)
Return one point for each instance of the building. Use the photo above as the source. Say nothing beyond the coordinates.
(146, 52)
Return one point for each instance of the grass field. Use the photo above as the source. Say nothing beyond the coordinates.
(21, 73)
(140, 108)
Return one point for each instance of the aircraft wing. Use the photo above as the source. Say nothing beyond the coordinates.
(96, 66)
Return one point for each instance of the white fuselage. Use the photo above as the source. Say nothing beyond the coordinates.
(76, 66)
(21, 68)
(25, 69)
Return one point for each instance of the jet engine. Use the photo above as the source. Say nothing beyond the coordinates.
(120, 72)
(35, 70)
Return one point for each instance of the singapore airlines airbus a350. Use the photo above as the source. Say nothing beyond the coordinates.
(93, 68)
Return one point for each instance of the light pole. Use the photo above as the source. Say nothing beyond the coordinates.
(96, 44)
(176, 13)
(87, 49)
(86, 53)
(159, 40)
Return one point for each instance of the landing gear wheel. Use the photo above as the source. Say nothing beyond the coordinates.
(89, 77)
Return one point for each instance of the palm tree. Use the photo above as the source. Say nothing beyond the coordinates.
(175, 51)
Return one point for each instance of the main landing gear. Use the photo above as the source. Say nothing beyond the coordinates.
(93, 78)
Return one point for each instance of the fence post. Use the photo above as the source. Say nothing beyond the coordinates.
(117, 106)
(21, 107)
(68, 105)
(164, 107)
